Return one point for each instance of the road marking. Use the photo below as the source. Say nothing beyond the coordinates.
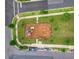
(14, 7)
(17, 8)
(20, 4)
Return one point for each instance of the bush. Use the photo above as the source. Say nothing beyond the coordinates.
(23, 47)
(13, 42)
(33, 13)
(63, 50)
(43, 12)
(67, 41)
(11, 25)
(51, 40)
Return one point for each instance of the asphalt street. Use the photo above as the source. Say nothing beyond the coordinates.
(8, 11)
(43, 55)
(32, 6)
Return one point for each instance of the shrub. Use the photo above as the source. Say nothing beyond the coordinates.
(67, 41)
(51, 40)
(43, 12)
(11, 25)
(23, 47)
(63, 50)
(13, 42)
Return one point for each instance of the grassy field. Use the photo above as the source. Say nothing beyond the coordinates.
(62, 30)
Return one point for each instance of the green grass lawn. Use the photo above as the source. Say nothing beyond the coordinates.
(62, 30)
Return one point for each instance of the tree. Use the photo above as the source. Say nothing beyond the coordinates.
(63, 50)
(11, 25)
(13, 42)
(21, 47)
(67, 41)
(44, 12)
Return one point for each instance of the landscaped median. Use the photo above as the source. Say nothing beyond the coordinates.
(59, 24)
(41, 12)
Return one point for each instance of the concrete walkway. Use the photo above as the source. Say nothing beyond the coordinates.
(52, 14)
(51, 46)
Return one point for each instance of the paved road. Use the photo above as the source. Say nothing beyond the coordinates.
(8, 11)
(32, 6)
(7, 40)
(66, 3)
(43, 55)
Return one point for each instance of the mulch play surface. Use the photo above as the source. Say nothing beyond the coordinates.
(38, 31)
